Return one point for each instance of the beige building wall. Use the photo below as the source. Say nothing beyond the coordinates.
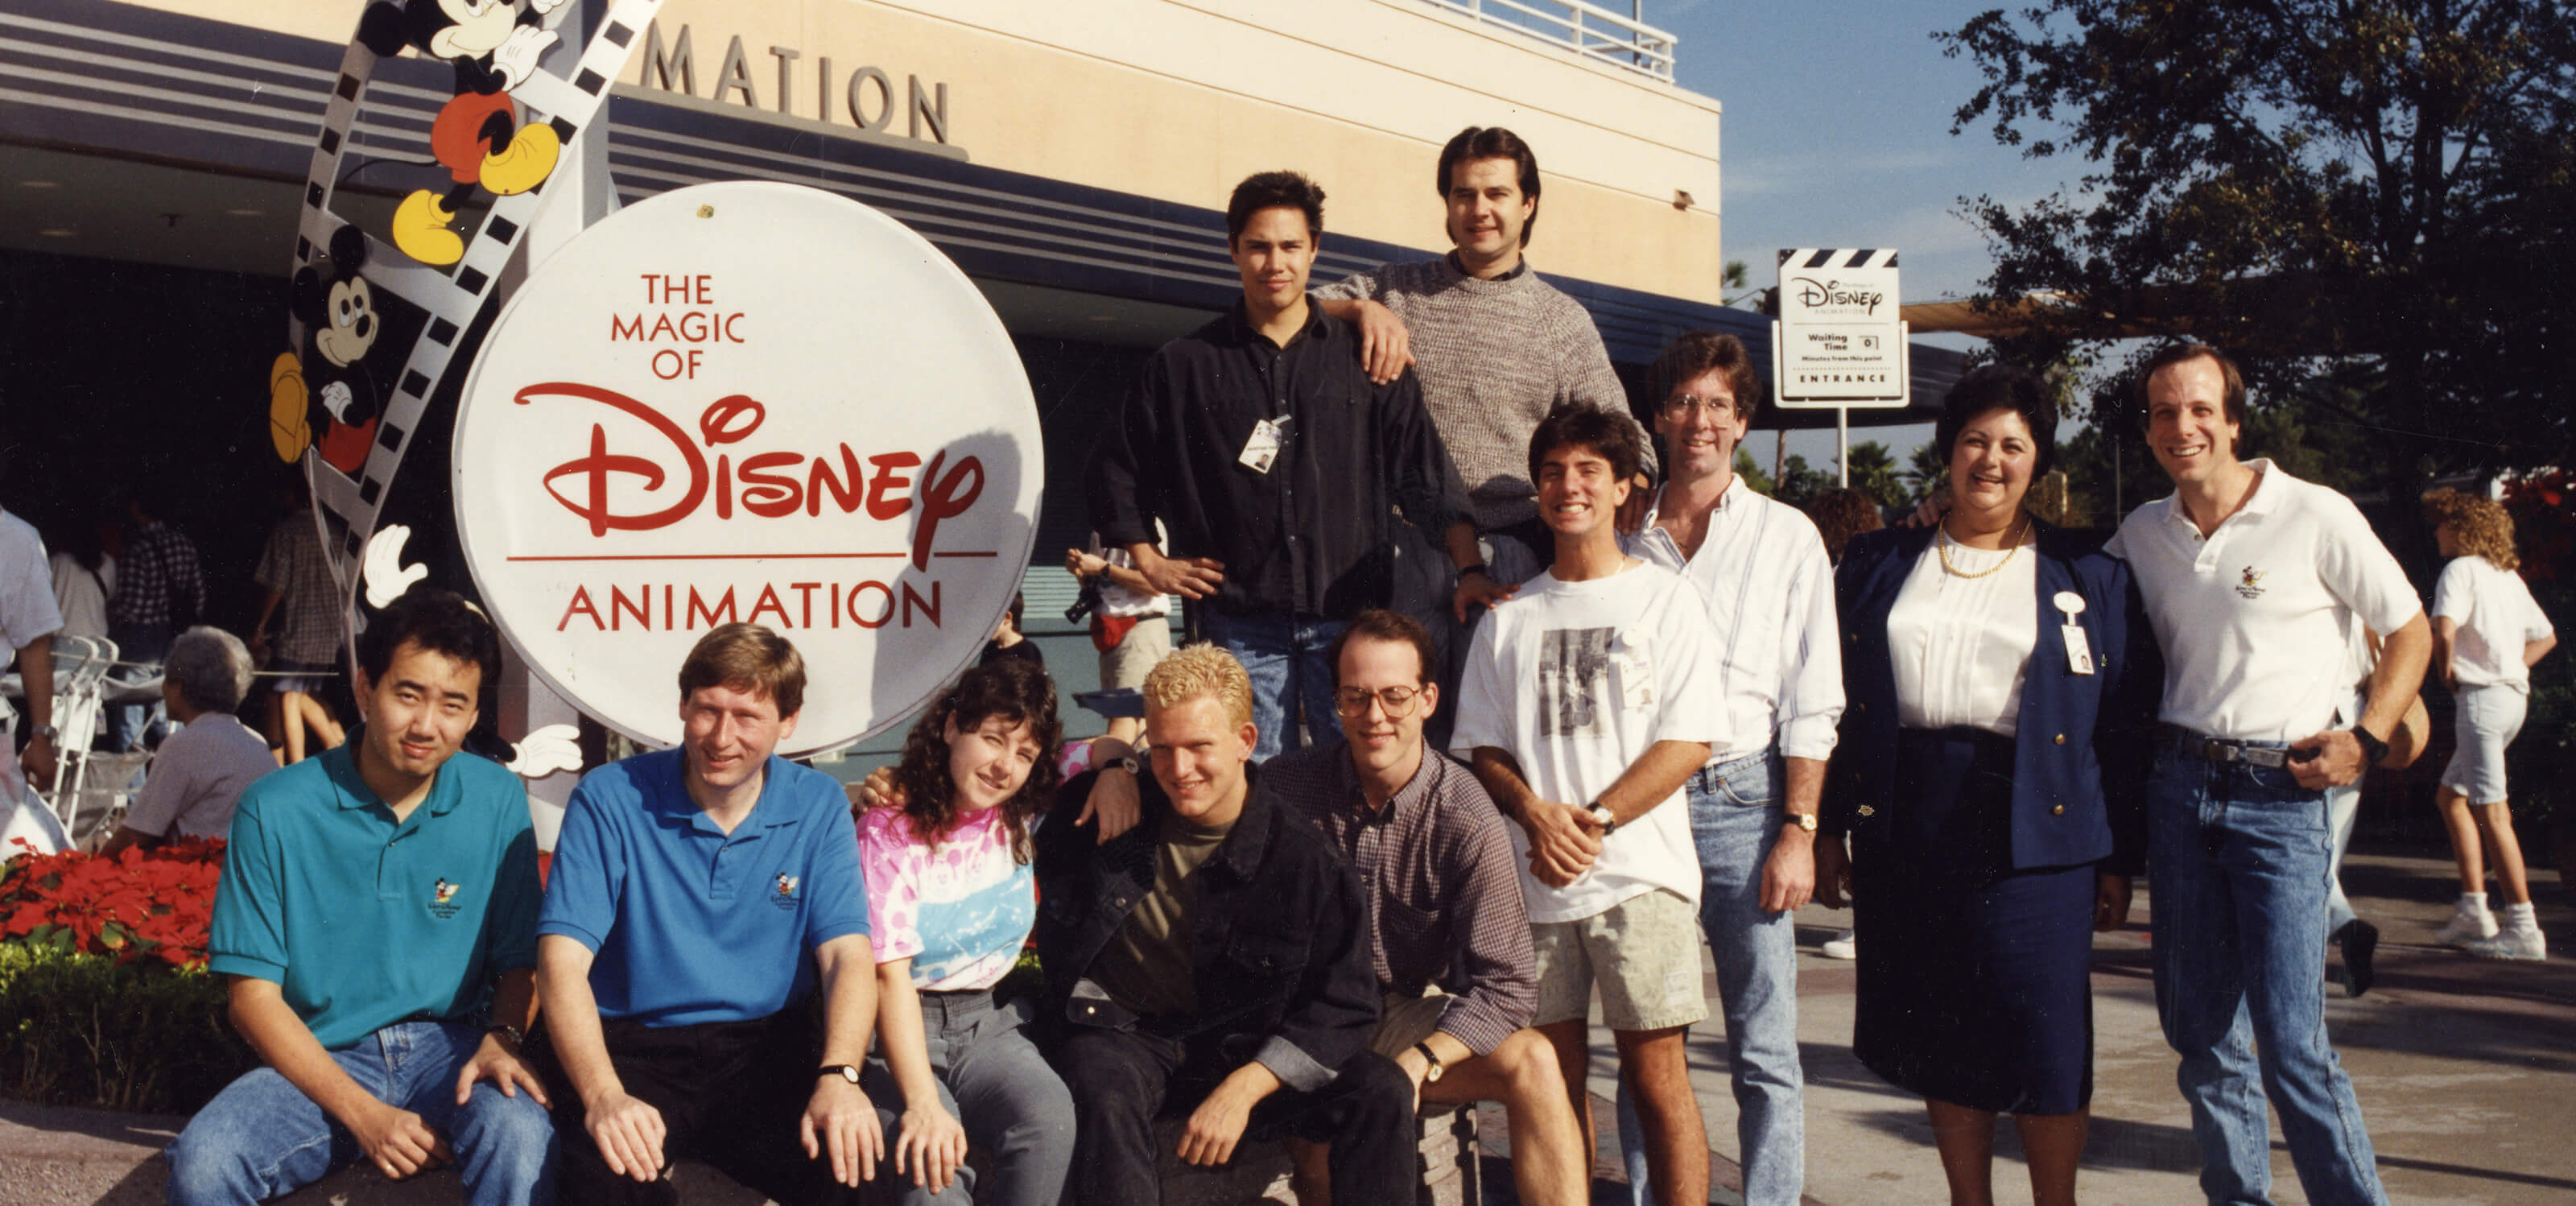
(1178, 99)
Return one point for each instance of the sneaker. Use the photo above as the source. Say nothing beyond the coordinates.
(2359, 939)
(1841, 946)
(2516, 943)
(2465, 928)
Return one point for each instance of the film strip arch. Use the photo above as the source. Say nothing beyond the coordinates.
(377, 316)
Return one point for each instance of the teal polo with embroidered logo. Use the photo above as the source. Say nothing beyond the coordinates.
(363, 921)
(688, 923)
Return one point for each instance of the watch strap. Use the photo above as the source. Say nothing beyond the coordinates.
(2372, 748)
(848, 1072)
(1437, 1065)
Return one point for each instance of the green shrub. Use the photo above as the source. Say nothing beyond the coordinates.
(87, 1030)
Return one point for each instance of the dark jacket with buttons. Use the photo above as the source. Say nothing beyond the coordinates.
(1279, 939)
(2080, 762)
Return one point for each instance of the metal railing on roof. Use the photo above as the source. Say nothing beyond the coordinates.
(1589, 29)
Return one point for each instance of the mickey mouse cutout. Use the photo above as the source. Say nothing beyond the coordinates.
(340, 325)
(477, 135)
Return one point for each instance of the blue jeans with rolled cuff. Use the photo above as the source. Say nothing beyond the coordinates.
(2239, 858)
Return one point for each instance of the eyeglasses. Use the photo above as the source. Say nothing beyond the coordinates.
(1681, 407)
(1398, 701)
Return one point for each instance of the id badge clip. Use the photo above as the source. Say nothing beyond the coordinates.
(2079, 649)
(1261, 451)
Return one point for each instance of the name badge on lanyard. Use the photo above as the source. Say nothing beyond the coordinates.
(2079, 650)
(1262, 450)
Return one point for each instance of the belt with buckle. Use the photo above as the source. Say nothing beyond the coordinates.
(2220, 749)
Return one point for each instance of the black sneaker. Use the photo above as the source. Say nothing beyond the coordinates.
(2359, 939)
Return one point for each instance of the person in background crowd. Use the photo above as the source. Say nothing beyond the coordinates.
(29, 619)
(1008, 641)
(296, 589)
(2487, 634)
(159, 590)
(704, 947)
(1450, 936)
(1214, 959)
(200, 772)
(371, 899)
(1275, 465)
(1990, 777)
(1768, 586)
(1590, 702)
(84, 577)
(1130, 626)
(2348, 931)
(1497, 349)
(1839, 515)
(2251, 577)
(952, 899)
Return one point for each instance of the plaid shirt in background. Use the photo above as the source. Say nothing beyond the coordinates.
(157, 579)
(309, 607)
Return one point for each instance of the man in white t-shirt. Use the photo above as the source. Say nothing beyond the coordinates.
(1589, 700)
(2251, 578)
(29, 618)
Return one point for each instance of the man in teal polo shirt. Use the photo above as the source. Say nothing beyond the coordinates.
(370, 899)
(698, 899)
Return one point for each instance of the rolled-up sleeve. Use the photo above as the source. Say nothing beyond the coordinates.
(1811, 696)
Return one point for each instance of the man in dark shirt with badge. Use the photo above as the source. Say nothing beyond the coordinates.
(1261, 444)
(1214, 958)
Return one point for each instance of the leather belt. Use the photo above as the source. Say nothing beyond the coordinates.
(2219, 749)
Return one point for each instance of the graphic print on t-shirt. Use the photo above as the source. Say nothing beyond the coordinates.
(1572, 663)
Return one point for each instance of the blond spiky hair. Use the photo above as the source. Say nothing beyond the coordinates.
(1200, 671)
(2480, 526)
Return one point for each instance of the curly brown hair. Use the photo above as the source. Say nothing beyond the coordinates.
(1012, 689)
(2481, 527)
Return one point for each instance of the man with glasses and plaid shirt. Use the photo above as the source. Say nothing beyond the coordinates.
(1451, 937)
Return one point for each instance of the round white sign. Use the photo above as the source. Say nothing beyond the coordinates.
(748, 401)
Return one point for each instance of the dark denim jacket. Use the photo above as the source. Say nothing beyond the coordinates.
(1279, 940)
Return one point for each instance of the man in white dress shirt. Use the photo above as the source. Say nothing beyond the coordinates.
(2251, 577)
(1770, 591)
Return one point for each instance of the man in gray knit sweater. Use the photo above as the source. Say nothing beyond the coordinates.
(1496, 349)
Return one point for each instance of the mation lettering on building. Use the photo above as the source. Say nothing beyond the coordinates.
(756, 402)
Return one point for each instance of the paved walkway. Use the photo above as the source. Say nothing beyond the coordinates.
(2466, 1071)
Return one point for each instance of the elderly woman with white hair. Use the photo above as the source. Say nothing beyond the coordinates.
(201, 769)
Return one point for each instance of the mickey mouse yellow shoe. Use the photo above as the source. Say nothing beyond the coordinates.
(287, 428)
(420, 229)
(530, 159)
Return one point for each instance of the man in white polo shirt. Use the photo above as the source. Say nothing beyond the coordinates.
(2250, 576)
(1770, 593)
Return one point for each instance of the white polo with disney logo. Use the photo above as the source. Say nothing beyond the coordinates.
(2252, 619)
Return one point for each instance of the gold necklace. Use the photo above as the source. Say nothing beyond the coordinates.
(1943, 544)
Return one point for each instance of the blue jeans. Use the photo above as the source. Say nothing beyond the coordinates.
(2238, 861)
(1289, 658)
(1735, 813)
(143, 646)
(262, 1137)
(1016, 1111)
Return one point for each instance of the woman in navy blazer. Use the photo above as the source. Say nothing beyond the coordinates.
(2001, 684)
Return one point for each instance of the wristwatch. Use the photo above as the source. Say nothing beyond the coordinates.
(509, 1035)
(1803, 820)
(1430, 1075)
(1128, 763)
(46, 731)
(848, 1072)
(1601, 813)
(2372, 748)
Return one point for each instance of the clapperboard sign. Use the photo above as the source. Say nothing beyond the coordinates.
(1838, 341)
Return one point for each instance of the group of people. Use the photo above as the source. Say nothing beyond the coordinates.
(1489, 723)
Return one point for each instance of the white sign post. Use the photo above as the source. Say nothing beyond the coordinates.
(1839, 341)
(748, 401)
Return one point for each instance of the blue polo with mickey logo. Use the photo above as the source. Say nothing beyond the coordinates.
(691, 924)
(363, 921)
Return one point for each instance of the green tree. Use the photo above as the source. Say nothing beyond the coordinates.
(1800, 484)
(1924, 473)
(2365, 192)
(1754, 478)
(1873, 472)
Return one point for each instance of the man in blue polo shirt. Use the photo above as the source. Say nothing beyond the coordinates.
(699, 897)
(370, 898)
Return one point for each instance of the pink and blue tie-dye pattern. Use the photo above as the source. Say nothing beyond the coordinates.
(960, 911)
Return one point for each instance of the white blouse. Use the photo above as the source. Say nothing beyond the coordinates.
(1960, 646)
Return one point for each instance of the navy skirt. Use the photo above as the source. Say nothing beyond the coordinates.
(1973, 977)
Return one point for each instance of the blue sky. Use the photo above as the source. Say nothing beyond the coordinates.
(1837, 134)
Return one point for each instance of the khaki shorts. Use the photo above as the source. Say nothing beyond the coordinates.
(1644, 953)
(1403, 1021)
(1147, 643)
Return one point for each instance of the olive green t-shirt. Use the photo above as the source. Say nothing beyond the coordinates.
(1146, 968)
